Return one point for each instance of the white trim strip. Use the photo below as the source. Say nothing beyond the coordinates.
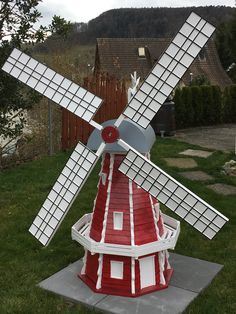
(154, 217)
(108, 198)
(161, 258)
(84, 262)
(131, 208)
(132, 275)
(99, 272)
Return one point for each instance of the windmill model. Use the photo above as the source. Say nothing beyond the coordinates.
(126, 238)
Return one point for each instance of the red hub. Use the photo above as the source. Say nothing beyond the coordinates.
(110, 134)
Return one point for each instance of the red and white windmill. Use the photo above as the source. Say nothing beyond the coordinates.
(126, 237)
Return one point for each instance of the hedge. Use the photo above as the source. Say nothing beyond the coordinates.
(204, 105)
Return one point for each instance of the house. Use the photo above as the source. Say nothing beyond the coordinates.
(122, 56)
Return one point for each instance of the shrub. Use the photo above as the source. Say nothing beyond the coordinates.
(201, 105)
(197, 105)
(187, 105)
(229, 104)
(207, 104)
(216, 111)
(179, 109)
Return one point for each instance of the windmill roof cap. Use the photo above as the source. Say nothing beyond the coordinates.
(134, 135)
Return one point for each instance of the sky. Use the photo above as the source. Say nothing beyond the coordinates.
(85, 10)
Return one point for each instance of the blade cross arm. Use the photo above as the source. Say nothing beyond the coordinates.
(64, 192)
(171, 193)
(52, 85)
(171, 67)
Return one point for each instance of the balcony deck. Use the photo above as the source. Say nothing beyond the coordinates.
(80, 233)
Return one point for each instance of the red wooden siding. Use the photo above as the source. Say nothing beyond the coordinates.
(144, 227)
(119, 202)
(100, 204)
(92, 267)
(114, 94)
(116, 285)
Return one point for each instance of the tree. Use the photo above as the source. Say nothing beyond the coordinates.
(60, 26)
(197, 105)
(187, 103)
(226, 45)
(200, 80)
(216, 116)
(207, 97)
(229, 104)
(17, 20)
(179, 109)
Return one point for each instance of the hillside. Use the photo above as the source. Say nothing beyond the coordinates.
(150, 22)
(77, 50)
(144, 22)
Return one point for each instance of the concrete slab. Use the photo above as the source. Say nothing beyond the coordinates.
(223, 189)
(196, 175)
(68, 285)
(196, 153)
(172, 301)
(218, 137)
(192, 274)
(190, 277)
(182, 163)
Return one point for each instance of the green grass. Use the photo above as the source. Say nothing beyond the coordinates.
(24, 262)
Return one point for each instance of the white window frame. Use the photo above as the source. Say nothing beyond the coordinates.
(117, 270)
(118, 222)
(141, 52)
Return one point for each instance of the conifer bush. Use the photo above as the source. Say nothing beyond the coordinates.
(229, 104)
(204, 105)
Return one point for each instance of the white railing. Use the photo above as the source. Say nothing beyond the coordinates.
(80, 233)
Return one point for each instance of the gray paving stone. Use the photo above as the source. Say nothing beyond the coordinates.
(219, 137)
(196, 153)
(190, 277)
(196, 175)
(182, 163)
(223, 189)
(192, 274)
(172, 300)
(67, 284)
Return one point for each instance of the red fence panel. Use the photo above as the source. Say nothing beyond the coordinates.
(114, 95)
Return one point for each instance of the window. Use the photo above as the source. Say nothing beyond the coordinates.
(141, 52)
(117, 270)
(117, 220)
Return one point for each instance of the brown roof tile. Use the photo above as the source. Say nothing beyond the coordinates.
(119, 57)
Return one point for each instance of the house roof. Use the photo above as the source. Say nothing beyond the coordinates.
(119, 57)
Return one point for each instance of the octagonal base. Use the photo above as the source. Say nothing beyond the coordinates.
(168, 273)
(190, 277)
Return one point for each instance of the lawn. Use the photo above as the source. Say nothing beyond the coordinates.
(24, 262)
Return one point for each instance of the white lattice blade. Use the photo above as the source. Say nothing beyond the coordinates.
(63, 193)
(52, 85)
(169, 70)
(173, 194)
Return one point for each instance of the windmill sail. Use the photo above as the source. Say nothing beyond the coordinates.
(172, 194)
(63, 193)
(54, 86)
(169, 70)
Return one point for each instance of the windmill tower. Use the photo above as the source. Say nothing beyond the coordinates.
(126, 237)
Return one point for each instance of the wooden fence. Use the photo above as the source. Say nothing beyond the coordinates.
(114, 94)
